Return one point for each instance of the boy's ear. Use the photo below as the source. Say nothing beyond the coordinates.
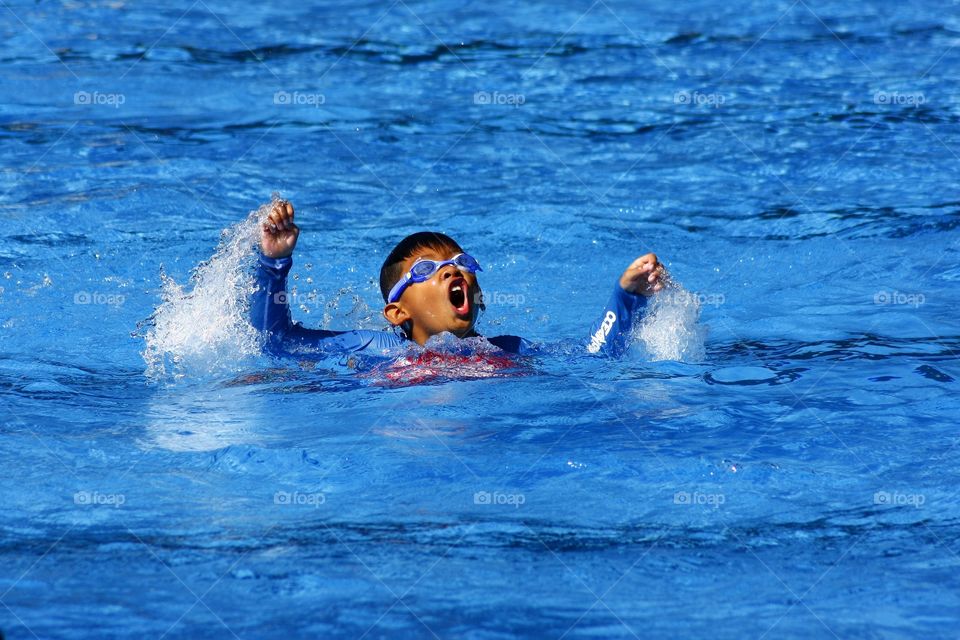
(395, 314)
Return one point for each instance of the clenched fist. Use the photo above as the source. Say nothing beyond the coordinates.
(645, 276)
(278, 235)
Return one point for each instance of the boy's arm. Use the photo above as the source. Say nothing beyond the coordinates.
(609, 333)
(641, 280)
(269, 306)
(269, 310)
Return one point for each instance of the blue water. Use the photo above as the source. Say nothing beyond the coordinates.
(783, 465)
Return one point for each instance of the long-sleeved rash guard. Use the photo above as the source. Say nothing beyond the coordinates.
(269, 312)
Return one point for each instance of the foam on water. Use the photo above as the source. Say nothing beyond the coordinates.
(671, 329)
(203, 326)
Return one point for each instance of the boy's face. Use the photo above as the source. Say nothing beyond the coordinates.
(445, 302)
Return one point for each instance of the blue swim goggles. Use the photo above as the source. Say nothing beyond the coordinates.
(423, 270)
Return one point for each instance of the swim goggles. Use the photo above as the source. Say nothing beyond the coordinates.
(423, 270)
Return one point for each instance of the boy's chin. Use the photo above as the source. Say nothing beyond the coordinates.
(461, 327)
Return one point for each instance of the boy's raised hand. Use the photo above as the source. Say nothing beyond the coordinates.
(278, 235)
(645, 276)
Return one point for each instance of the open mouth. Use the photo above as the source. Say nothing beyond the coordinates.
(459, 293)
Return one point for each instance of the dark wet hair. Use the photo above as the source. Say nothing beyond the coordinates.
(392, 269)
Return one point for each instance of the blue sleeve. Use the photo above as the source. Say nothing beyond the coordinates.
(513, 344)
(270, 313)
(269, 310)
(609, 334)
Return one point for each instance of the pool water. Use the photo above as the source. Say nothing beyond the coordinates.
(776, 456)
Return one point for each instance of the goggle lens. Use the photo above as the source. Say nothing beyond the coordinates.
(424, 269)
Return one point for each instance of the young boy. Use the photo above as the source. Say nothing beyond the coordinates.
(429, 285)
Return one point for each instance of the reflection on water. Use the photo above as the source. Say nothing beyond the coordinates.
(202, 418)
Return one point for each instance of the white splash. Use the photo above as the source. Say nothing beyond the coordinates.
(671, 329)
(206, 328)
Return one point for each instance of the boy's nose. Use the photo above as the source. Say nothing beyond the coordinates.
(448, 271)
